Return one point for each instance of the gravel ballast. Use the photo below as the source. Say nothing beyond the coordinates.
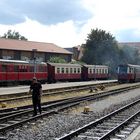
(57, 125)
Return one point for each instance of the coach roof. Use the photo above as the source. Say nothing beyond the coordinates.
(12, 44)
(65, 65)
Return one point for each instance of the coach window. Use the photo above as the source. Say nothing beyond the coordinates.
(25, 68)
(31, 69)
(62, 70)
(71, 71)
(58, 70)
(67, 70)
(40, 68)
(74, 70)
(106, 71)
(79, 70)
(16, 68)
(4, 68)
(102, 71)
(98, 71)
(89, 70)
(93, 70)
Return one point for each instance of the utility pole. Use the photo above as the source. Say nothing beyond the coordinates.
(34, 58)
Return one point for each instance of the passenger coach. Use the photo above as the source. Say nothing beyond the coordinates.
(15, 71)
(63, 72)
(128, 73)
(99, 72)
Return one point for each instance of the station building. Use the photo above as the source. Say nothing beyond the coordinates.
(30, 50)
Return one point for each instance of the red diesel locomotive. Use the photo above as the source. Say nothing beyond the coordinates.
(128, 73)
(14, 71)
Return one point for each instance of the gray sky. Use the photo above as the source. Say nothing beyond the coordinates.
(67, 22)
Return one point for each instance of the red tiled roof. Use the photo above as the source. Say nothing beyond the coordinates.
(12, 44)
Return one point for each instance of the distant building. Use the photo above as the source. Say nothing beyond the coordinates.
(28, 50)
(78, 50)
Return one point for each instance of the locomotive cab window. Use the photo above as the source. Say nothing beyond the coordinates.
(122, 69)
(131, 70)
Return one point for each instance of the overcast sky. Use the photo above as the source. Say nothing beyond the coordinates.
(67, 22)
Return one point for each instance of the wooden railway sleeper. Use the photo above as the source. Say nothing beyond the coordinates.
(96, 130)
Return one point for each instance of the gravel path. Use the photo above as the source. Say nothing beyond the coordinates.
(64, 122)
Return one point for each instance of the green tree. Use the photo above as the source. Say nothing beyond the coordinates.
(77, 62)
(57, 60)
(101, 48)
(13, 35)
(129, 54)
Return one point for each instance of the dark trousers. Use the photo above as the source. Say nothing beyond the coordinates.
(36, 103)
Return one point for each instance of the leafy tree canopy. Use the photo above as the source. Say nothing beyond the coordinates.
(130, 55)
(13, 35)
(77, 62)
(102, 48)
(57, 60)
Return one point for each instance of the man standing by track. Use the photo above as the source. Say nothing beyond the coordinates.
(36, 90)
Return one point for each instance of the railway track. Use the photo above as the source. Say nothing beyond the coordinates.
(25, 95)
(116, 125)
(10, 111)
(21, 116)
